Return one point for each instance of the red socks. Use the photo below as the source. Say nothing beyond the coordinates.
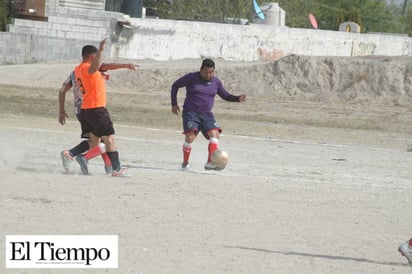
(93, 152)
(213, 146)
(106, 159)
(96, 151)
(187, 148)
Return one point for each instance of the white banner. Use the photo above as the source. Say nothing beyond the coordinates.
(61, 251)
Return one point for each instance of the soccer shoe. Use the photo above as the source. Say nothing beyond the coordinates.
(406, 251)
(83, 164)
(210, 166)
(108, 169)
(121, 173)
(185, 167)
(66, 160)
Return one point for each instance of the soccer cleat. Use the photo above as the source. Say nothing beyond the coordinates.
(185, 167)
(121, 173)
(210, 166)
(406, 251)
(66, 160)
(83, 164)
(108, 169)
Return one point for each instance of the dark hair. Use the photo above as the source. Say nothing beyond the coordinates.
(208, 63)
(88, 50)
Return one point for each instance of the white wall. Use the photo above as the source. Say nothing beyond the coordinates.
(172, 40)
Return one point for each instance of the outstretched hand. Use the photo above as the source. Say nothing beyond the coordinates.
(132, 66)
(175, 110)
(242, 98)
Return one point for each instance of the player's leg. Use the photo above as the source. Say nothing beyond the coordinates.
(113, 154)
(187, 148)
(214, 136)
(211, 130)
(107, 163)
(90, 120)
(68, 155)
(82, 147)
(191, 123)
(106, 159)
(111, 151)
(105, 129)
(94, 150)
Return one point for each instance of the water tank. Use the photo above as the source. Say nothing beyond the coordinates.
(274, 15)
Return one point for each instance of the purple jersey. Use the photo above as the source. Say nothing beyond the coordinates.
(200, 94)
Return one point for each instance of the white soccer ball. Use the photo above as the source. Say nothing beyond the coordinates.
(220, 158)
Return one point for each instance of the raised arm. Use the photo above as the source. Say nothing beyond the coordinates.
(96, 62)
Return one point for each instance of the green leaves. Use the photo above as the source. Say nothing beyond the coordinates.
(202, 10)
(5, 14)
(371, 15)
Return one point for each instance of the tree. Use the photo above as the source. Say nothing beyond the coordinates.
(7, 12)
(371, 15)
(204, 10)
(408, 22)
(4, 11)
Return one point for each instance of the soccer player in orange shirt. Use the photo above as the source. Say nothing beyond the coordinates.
(71, 83)
(95, 118)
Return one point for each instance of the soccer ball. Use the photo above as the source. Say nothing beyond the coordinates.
(220, 158)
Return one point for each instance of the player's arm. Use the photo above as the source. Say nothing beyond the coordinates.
(97, 61)
(62, 98)
(114, 66)
(179, 83)
(225, 95)
(173, 98)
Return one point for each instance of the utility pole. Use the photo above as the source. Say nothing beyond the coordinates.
(405, 5)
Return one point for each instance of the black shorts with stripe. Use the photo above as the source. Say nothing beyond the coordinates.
(96, 121)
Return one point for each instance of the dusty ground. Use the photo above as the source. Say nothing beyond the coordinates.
(312, 186)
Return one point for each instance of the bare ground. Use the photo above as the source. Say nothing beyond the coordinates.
(312, 187)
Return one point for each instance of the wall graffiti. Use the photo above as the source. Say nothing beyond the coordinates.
(270, 55)
(360, 49)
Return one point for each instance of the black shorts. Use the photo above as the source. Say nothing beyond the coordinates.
(96, 121)
(80, 117)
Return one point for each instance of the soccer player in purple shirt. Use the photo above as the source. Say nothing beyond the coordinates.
(201, 89)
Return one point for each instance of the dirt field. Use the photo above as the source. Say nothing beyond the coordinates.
(311, 187)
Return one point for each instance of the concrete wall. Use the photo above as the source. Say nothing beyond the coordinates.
(68, 29)
(173, 40)
(21, 49)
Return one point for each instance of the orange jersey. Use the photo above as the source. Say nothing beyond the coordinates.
(91, 85)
